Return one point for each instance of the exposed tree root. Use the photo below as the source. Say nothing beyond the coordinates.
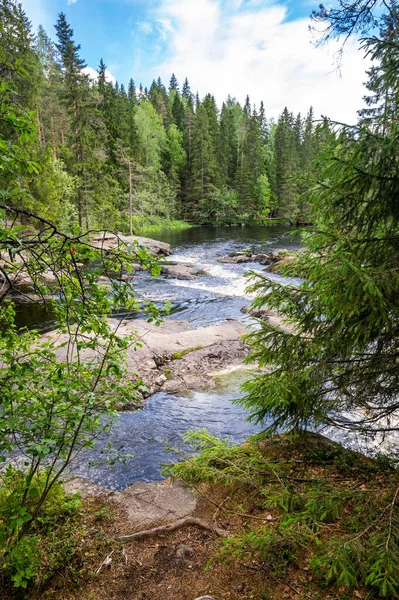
(146, 533)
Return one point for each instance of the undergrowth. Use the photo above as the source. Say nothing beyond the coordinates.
(335, 512)
(30, 562)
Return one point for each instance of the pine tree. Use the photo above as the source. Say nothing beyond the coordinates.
(131, 93)
(382, 102)
(287, 165)
(173, 84)
(178, 112)
(75, 97)
(209, 104)
(186, 91)
(337, 363)
(228, 146)
(52, 117)
(204, 174)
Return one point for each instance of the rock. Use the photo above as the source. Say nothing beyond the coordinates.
(277, 254)
(207, 598)
(241, 258)
(86, 488)
(260, 313)
(278, 266)
(161, 379)
(150, 504)
(197, 369)
(125, 277)
(263, 259)
(172, 357)
(184, 551)
(108, 241)
(178, 271)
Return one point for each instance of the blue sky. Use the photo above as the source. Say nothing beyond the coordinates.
(259, 47)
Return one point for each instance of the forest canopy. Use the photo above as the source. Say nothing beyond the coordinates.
(161, 153)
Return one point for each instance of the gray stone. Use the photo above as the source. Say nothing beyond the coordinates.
(108, 241)
(150, 504)
(178, 272)
(184, 551)
(86, 488)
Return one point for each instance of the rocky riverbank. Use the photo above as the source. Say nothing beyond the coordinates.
(275, 261)
(178, 359)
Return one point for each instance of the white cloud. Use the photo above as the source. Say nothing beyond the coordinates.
(69, 2)
(255, 52)
(165, 28)
(144, 27)
(92, 73)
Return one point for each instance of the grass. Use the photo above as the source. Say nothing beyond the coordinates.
(174, 225)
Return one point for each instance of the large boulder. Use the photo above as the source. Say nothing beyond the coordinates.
(179, 271)
(108, 241)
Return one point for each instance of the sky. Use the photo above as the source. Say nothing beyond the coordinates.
(262, 48)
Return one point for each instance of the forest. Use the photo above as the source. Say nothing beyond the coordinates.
(137, 157)
(290, 512)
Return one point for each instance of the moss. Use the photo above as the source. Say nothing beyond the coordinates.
(178, 355)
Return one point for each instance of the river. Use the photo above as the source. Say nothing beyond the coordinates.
(214, 297)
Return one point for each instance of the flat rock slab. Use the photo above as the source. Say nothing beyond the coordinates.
(179, 272)
(146, 504)
(86, 488)
(150, 504)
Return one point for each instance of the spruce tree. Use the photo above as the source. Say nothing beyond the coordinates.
(75, 96)
(131, 93)
(186, 90)
(335, 361)
(287, 165)
(178, 112)
(204, 174)
(173, 84)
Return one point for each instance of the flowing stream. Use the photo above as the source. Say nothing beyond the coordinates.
(214, 297)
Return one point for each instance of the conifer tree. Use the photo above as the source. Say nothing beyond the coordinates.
(336, 363)
(204, 174)
(173, 84)
(76, 97)
(287, 165)
(178, 112)
(186, 90)
(131, 93)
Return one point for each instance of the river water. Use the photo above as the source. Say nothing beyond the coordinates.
(214, 297)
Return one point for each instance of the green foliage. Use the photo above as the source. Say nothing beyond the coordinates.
(204, 165)
(50, 543)
(347, 531)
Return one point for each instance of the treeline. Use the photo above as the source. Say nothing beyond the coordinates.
(104, 152)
